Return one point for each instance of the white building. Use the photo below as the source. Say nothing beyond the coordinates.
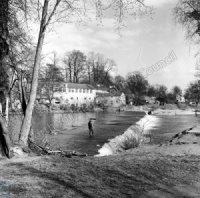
(180, 98)
(73, 93)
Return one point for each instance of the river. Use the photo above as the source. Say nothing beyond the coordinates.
(73, 131)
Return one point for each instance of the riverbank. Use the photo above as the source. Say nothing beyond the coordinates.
(149, 171)
(132, 174)
(175, 112)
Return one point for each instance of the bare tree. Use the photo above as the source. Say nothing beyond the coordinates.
(67, 60)
(52, 78)
(187, 13)
(4, 81)
(90, 65)
(69, 11)
(75, 64)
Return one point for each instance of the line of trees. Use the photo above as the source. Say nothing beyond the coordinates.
(92, 69)
(14, 16)
(135, 83)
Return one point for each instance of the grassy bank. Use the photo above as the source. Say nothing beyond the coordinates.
(121, 176)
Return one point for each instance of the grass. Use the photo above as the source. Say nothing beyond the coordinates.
(120, 176)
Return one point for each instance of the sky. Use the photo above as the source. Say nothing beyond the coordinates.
(143, 43)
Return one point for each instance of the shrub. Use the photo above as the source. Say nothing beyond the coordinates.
(130, 142)
(182, 106)
(64, 107)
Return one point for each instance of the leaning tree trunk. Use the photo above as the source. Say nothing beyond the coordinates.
(5, 142)
(26, 125)
(21, 91)
(5, 138)
(7, 109)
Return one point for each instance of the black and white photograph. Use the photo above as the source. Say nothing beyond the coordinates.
(99, 98)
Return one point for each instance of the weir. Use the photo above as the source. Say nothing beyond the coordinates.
(132, 137)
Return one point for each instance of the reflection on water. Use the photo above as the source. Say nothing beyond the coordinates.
(107, 126)
(46, 122)
(169, 125)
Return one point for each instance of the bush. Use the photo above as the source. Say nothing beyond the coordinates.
(182, 106)
(64, 107)
(130, 142)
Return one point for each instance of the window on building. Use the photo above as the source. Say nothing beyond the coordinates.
(77, 98)
(69, 90)
(72, 90)
(85, 98)
(72, 98)
(90, 91)
(76, 90)
(80, 90)
(83, 90)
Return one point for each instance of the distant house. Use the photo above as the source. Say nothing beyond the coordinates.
(79, 94)
(180, 99)
(102, 97)
(150, 100)
(74, 93)
(108, 99)
(118, 99)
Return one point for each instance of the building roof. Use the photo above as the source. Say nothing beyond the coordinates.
(79, 86)
(113, 94)
(102, 88)
(99, 94)
(116, 93)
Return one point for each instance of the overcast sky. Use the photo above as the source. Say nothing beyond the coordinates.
(144, 43)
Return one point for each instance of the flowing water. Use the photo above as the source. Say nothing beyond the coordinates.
(107, 125)
(73, 129)
(169, 125)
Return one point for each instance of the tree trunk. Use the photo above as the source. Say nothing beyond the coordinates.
(4, 138)
(5, 142)
(70, 73)
(21, 92)
(7, 109)
(26, 125)
(1, 111)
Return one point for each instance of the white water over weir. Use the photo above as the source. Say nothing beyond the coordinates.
(131, 138)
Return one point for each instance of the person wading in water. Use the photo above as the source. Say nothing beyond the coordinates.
(91, 132)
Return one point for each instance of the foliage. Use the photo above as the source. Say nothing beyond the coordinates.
(187, 13)
(120, 83)
(47, 13)
(138, 85)
(130, 141)
(176, 91)
(193, 92)
(65, 107)
(151, 91)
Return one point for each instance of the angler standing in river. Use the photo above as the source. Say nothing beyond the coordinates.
(90, 127)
